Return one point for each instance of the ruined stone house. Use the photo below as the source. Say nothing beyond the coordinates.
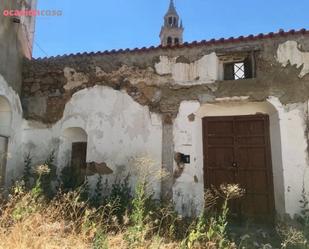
(230, 110)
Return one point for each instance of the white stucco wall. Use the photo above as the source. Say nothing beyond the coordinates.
(203, 71)
(189, 195)
(118, 130)
(11, 129)
(294, 153)
(290, 52)
(288, 147)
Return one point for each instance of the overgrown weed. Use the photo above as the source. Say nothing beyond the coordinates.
(32, 218)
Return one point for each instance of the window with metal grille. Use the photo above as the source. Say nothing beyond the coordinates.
(238, 70)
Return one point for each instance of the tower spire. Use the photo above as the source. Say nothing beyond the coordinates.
(171, 32)
(172, 8)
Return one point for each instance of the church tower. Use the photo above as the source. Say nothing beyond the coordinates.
(171, 32)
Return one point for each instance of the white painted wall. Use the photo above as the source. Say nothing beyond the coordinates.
(203, 71)
(5, 116)
(118, 129)
(10, 126)
(290, 52)
(288, 146)
(189, 195)
(294, 153)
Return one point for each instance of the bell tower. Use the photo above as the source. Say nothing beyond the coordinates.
(172, 30)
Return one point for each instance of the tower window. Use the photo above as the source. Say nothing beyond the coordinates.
(175, 22)
(169, 40)
(176, 41)
(170, 20)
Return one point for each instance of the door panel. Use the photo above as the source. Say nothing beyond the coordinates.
(78, 160)
(3, 158)
(220, 127)
(251, 158)
(249, 127)
(237, 150)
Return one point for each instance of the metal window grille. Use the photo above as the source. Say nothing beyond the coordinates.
(239, 70)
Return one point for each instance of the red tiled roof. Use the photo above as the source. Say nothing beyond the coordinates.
(260, 36)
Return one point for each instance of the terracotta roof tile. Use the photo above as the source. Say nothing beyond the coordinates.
(260, 36)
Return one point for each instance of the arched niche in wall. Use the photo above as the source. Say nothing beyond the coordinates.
(5, 117)
(5, 127)
(75, 134)
(73, 150)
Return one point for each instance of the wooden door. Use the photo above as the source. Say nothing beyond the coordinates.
(237, 150)
(78, 160)
(3, 158)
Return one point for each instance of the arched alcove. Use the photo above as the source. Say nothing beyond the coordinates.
(73, 151)
(5, 117)
(75, 134)
(5, 130)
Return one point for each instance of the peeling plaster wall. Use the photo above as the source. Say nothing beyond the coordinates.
(15, 41)
(118, 131)
(202, 71)
(183, 83)
(290, 53)
(288, 146)
(13, 130)
(161, 79)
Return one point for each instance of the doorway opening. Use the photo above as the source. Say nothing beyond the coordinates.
(237, 151)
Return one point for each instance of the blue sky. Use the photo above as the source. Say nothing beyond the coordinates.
(98, 25)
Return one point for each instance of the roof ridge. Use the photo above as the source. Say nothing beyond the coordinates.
(281, 32)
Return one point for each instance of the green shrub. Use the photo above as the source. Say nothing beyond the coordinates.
(97, 198)
(68, 179)
(47, 179)
(28, 176)
(211, 230)
(303, 218)
(121, 193)
(136, 233)
(100, 240)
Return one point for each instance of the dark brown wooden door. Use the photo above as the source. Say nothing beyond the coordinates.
(3, 158)
(237, 150)
(78, 160)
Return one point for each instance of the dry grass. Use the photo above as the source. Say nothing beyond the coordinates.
(30, 222)
(38, 232)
